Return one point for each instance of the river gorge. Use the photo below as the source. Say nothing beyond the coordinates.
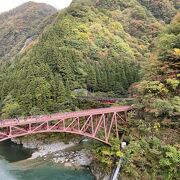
(18, 163)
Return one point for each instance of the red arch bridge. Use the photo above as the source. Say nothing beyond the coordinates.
(99, 124)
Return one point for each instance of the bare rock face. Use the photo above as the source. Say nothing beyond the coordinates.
(26, 44)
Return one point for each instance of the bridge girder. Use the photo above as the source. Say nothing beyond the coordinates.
(99, 124)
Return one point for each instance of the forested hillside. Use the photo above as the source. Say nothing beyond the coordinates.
(152, 134)
(94, 44)
(21, 25)
(155, 145)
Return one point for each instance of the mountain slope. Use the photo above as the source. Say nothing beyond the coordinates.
(93, 44)
(155, 128)
(21, 23)
(161, 9)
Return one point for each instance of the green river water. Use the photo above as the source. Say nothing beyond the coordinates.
(10, 152)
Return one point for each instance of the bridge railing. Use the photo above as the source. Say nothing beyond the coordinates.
(104, 98)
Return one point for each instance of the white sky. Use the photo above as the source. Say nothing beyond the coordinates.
(6, 5)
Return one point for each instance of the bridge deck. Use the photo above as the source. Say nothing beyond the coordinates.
(8, 122)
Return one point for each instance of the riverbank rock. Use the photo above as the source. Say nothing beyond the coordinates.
(59, 153)
(68, 165)
(99, 172)
(51, 148)
(80, 158)
(28, 143)
(84, 158)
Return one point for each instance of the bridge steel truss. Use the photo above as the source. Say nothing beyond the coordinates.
(99, 124)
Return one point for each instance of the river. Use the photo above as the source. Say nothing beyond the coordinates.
(10, 153)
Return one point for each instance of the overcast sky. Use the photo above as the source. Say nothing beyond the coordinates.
(6, 5)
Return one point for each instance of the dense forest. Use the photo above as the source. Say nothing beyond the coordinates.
(155, 145)
(96, 45)
(153, 130)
